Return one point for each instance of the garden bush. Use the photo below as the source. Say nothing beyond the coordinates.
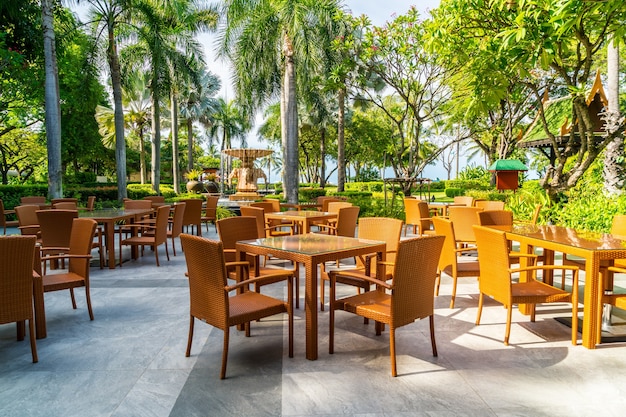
(453, 192)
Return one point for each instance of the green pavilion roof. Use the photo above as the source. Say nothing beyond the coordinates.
(508, 165)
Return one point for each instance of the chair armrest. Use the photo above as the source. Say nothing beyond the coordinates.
(67, 256)
(333, 274)
(326, 226)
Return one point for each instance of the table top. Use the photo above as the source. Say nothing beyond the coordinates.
(301, 206)
(300, 213)
(107, 214)
(593, 241)
(312, 243)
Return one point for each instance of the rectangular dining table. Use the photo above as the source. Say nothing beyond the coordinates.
(108, 217)
(310, 250)
(304, 218)
(592, 246)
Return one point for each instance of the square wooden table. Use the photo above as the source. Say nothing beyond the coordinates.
(303, 217)
(310, 250)
(592, 246)
(108, 217)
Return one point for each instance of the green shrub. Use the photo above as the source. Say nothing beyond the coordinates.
(453, 192)
(310, 194)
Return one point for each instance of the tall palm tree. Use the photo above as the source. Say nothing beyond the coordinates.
(267, 41)
(136, 100)
(613, 169)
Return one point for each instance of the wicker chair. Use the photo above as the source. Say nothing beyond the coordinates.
(193, 215)
(373, 228)
(33, 200)
(346, 222)
(496, 280)
(91, 203)
(451, 263)
(209, 299)
(78, 256)
(463, 218)
(157, 237)
(210, 212)
(56, 227)
(495, 218)
(418, 216)
(410, 298)
(3, 218)
(175, 225)
(155, 198)
(233, 229)
(465, 200)
(27, 219)
(263, 228)
(489, 205)
(65, 205)
(16, 281)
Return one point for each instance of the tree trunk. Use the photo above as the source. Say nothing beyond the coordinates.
(323, 157)
(118, 114)
(341, 148)
(189, 144)
(613, 170)
(156, 139)
(142, 155)
(53, 106)
(290, 127)
(174, 118)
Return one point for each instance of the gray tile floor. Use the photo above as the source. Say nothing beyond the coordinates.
(130, 361)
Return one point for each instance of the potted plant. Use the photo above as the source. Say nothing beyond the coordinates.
(193, 181)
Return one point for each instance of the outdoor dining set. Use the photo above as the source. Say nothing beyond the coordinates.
(396, 275)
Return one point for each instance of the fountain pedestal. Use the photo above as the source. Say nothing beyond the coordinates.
(247, 175)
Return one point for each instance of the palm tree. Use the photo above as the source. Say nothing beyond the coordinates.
(266, 42)
(613, 170)
(136, 100)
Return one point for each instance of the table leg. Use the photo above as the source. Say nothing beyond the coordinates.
(109, 232)
(310, 309)
(40, 309)
(592, 316)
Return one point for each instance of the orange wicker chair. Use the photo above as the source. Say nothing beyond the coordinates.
(210, 212)
(465, 200)
(463, 218)
(495, 218)
(175, 225)
(263, 228)
(411, 294)
(372, 228)
(346, 222)
(209, 299)
(156, 236)
(451, 263)
(56, 227)
(16, 281)
(3, 218)
(33, 200)
(496, 280)
(193, 215)
(65, 205)
(489, 205)
(27, 219)
(78, 256)
(418, 216)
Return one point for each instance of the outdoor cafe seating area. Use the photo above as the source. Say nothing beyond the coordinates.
(133, 355)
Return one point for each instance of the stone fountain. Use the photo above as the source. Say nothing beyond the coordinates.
(247, 175)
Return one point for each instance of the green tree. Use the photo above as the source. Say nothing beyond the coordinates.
(274, 46)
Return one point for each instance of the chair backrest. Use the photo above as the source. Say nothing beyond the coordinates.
(267, 206)
(334, 206)
(211, 206)
(490, 205)
(536, 213)
(56, 227)
(65, 205)
(381, 228)
(91, 202)
(81, 239)
(417, 213)
(618, 227)
(443, 227)
(493, 258)
(27, 216)
(155, 198)
(207, 278)
(177, 221)
(193, 211)
(232, 229)
(275, 204)
(346, 220)
(137, 204)
(495, 218)
(326, 201)
(463, 218)
(259, 214)
(464, 199)
(16, 278)
(33, 200)
(160, 225)
(414, 276)
(64, 200)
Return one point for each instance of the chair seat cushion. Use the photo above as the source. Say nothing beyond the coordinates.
(62, 281)
(536, 291)
(374, 305)
(251, 306)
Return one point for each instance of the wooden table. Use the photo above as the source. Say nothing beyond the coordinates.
(441, 207)
(310, 250)
(302, 206)
(303, 217)
(108, 217)
(592, 246)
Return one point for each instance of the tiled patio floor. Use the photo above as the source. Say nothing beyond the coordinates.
(130, 361)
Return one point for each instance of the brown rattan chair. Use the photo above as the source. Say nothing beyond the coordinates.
(346, 222)
(409, 297)
(495, 218)
(27, 219)
(496, 280)
(233, 229)
(372, 228)
(56, 227)
(209, 299)
(78, 257)
(155, 239)
(451, 262)
(489, 204)
(193, 215)
(209, 214)
(155, 198)
(417, 215)
(264, 229)
(175, 224)
(64, 200)
(464, 200)
(3, 218)
(33, 200)
(16, 284)
(463, 218)
(91, 203)
(65, 205)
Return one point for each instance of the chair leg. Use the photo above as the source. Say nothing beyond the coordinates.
(454, 279)
(190, 337)
(173, 245)
(33, 343)
(224, 353)
(322, 292)
(438, 279)
(88, 298)
(156, 253)
(432, 334)
(507, 332)
(73, 298)
(480, 308)
(392, 350)
(331, 321)
(167, 253)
